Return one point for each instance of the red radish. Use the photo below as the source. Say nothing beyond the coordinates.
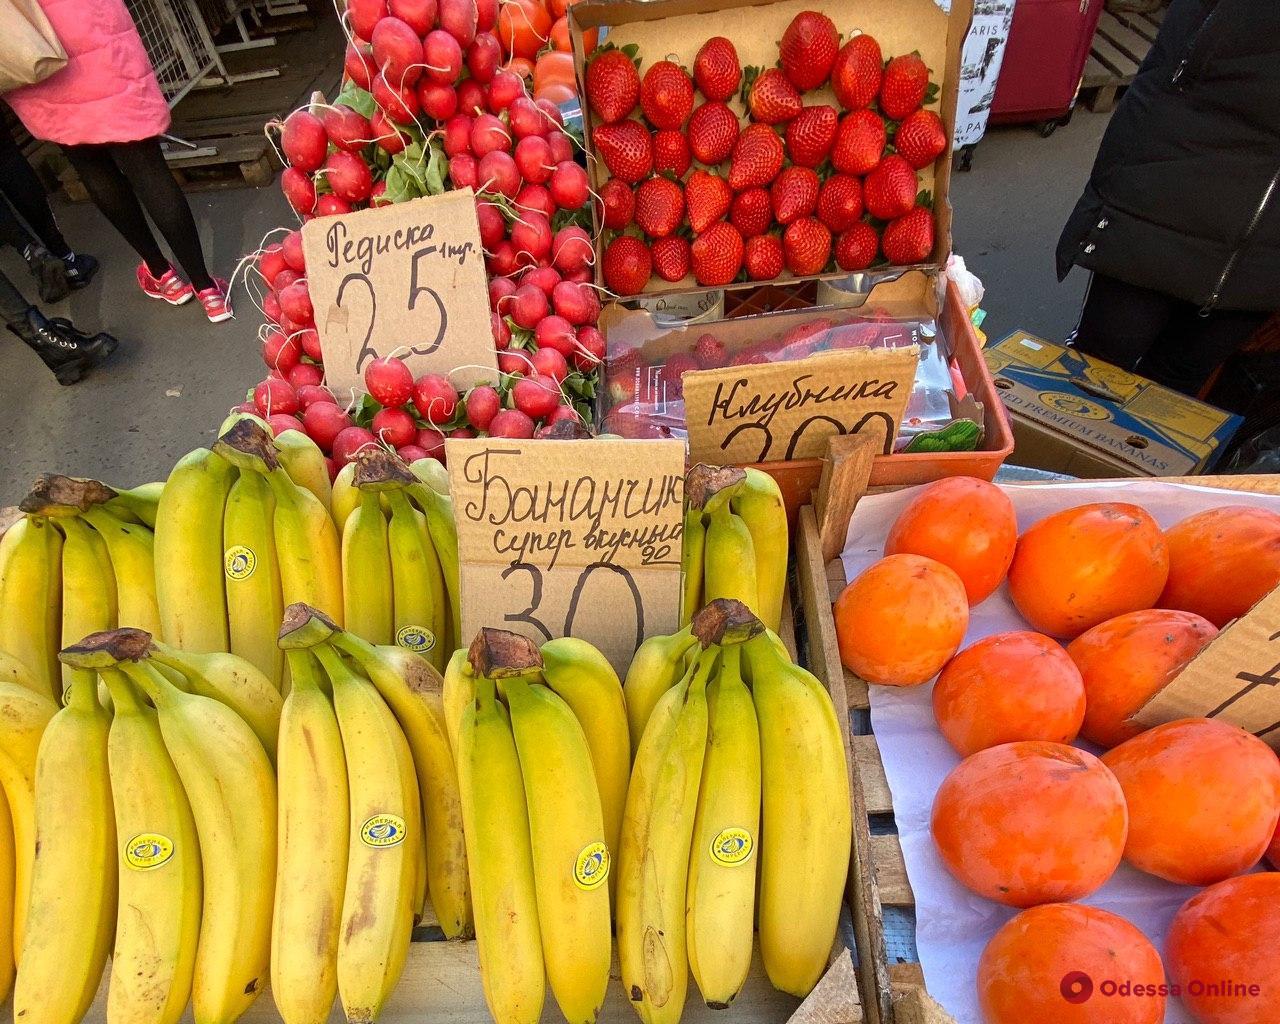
(275, 395)
(328, 205)
(483, 57)
(533, 157)
(457, 135)
(295, 303)
(568, 185)
(304, 140)
(349, 441)
(504, 89)
(526, 117)
(514, 361)
(471, 96)
(389, 381)
(482, 404)
(443, 57)
(590, 350)
(347, 129)
(291, 249)
(411, 453)
(281, 352)
(536, 198)
(500, 290)
(309, 339)
(284, 278)
(358, 63)
(486, 15)
(399, 104)
(489, 135)
(576, 303)
(279, 423)
(439, 101)
(561, 146)
(275, 375)
(545, 278)
(562, 412)
(431, 441)
(551, 110)
(458, 18)
(536, 396)
(397, 51)
(583, 276)
(528, 306)
(378, 195)
(498, 172)
(419, 15)
(461, 432)
(555, 332)
(305, 375)
(387, 135)
(502, 260)
(531, 235)
(550, 363)
(501, 330)
(394, 427)
(271, 307)
(299, 189)
(310, 394)
(511, 423)
(493, 225)
(571, 249)
(435, 398)
(349, 176)
(365, 15)
(464, 172)
(270, 262)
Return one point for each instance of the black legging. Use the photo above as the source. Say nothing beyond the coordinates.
(19, 184)
(116, 175)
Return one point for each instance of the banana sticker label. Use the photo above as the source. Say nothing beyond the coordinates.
(591, 869)
(240, 562)
(416, 638)
(147, 851)
(732, 846)
(382, 830)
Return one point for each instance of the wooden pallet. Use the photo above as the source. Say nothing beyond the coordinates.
(1120, 45)
(236, 162)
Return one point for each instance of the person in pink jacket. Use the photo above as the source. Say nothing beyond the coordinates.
(106, 111)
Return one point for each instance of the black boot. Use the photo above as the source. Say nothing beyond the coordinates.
(80, 269)
(49, 271)
(68, 352)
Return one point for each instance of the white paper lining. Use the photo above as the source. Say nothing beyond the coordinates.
(953, 925)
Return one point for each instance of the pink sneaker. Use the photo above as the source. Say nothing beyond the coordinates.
(168, 286)
(214, 301)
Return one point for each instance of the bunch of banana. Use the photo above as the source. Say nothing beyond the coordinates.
(735, 541)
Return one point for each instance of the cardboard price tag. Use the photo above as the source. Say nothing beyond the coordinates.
(570, 539)
(1236, 678)
(408, 277)
(781, 411)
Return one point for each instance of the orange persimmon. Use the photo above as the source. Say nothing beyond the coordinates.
(1222, 562)
(523, 27)
(553, 67)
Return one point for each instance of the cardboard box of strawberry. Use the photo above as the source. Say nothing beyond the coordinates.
(713, 171)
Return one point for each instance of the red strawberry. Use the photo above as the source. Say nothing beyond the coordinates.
(660, 207)
(856, 248)
(748, 359)
(921, 138)
(772, 99)
(676, 366)
(709, 351)
(859, 142)
(855, 77)
(708, 197)
(619, 204)
(626, 150)
(752, 212)
(627, 265)
(671, 153)
(666, 94)
(757, 158)
(909, 239)
(840, 202)
(906, 79)
(713, 129)
(764, 257)
(794, 194)
(890, 190)
(808, 49)
(717, 254)
(671, 258)
(810, 135)
(613, 85)
(806, 246)
(716, 69)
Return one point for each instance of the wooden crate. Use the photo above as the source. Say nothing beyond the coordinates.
(882, 890)
(1120, 45)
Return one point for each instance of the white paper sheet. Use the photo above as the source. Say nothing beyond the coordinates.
(953, 925)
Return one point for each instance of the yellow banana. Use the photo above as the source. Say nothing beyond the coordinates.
(657, 665)
(158, 858)
(345, 496)
(7, 866)
(252, 571)
(73, 883)
(31, 598)
(88, 590)
(312, 861)
(730, 557)
(382, 864)
(188, 553)
(132, 551)
(140, 502)
(692, 562)
(758, 501)
(366, 571)
(459, 691)
(443, 528)
(722, 863)
(653, 858)
(14, 671)
(232, 791)
(421, 609)
(569, 845)
(304, 462)
(23, 716)
(500, 860)
(432, 473)
(583, 677)
(806, 827)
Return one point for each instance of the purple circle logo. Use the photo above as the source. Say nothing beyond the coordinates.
(1076, 987)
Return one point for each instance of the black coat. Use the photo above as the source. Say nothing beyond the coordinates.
(1185, 192)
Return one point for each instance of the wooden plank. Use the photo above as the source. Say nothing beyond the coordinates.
(846, 471)
(875, 784)
(1103, 98)
(1139, 23)
(787, 629)
(891, 872)
(906, 976)
(1157, 16)
(1094, 74)
(1110, 56)
(1123, 38)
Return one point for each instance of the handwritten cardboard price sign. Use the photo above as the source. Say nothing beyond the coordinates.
(1236, 678)
(409, 277)
(560, 538)
(780, 411)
